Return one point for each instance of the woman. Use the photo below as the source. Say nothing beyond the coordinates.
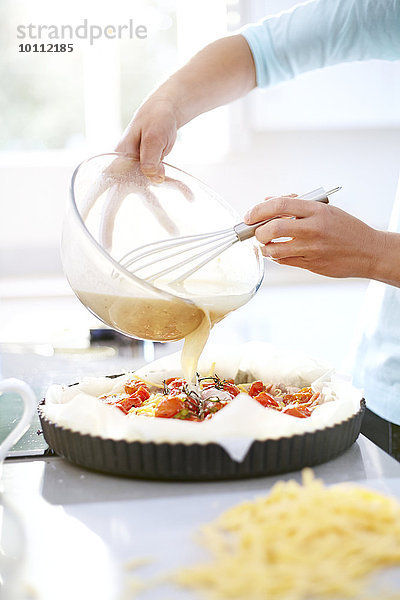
(326, 240)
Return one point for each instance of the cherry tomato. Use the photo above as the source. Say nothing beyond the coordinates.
(136, 402)
(300, 411)
(169, 407)
(125, 405)
(300, 397)
(256, 388)
(288, 399)
(303, 395)
(142, 393)
(131, 387)
(231, 388)
(175, 383)
(266, 400)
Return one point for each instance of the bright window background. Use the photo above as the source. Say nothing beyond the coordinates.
(81, 100)
(41, 96)
(59, 101)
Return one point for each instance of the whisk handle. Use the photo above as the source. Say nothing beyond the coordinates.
(244, 232)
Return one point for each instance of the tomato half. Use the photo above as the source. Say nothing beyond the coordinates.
(131, 387)
(299, 411)
(136, 402)
(266, 399)
(169, 407)
(231, 388)
(125, 405)
(142, 393)
(256, 388)
(175, 383)
(304, 395)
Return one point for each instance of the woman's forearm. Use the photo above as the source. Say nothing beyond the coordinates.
(221, 72)
(386, 266)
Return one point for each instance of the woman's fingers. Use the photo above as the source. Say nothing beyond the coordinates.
(150, 136)
(283, 228)
(280, 250)
(284, 205)
(130, 141)
(294, 261)
(147, 146)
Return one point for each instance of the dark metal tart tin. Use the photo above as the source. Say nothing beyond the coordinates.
(201, 462)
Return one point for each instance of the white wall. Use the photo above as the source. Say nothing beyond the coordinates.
(33, 196)
(365, 163)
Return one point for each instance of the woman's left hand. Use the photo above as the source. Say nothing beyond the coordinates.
(324, 239)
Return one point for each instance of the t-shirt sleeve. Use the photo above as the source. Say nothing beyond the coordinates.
(320, 33)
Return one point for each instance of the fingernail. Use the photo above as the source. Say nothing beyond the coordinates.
(246, 217)
(157, 178)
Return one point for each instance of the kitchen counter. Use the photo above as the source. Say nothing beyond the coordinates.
(81, 528)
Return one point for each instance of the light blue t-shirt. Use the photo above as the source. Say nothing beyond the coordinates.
(317, 34)
(321, 33)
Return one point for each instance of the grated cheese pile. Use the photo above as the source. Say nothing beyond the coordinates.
(301, 541)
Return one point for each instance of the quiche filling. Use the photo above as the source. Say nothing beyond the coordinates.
(176, 399)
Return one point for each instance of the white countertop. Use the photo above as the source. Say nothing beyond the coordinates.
(81, 527)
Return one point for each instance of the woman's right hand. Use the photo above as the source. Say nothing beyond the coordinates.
(151, 135)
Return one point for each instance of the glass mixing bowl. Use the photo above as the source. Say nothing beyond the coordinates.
(114, 209)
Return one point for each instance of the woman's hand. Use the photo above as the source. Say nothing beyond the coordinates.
(151, 135)
(222, 71)
(325, 239)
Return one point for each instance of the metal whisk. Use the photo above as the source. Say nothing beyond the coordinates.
(206, 246)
